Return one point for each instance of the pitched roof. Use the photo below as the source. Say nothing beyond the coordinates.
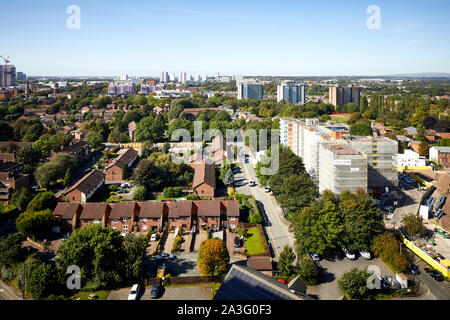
(123, 210)
(218, 143)
(180, 208)
(260, 263)
(297, 284)
(74, 146)
(204, 173)
(66, 210)
(151, 209)
(232, 208)
(92, 210)
(242, 283)
(88, 182)
(208, 208)
(132, 126)
(124, 158)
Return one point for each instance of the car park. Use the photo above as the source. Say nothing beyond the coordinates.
(365, 254)
(349, 254)
(155, 291)
(133, 292)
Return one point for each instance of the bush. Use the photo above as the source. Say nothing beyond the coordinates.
(177, 243)
(193, 196)
(353, 284)
(36, 225)
(42, 201)
(172, 192)
(140, 194)
(308, 271)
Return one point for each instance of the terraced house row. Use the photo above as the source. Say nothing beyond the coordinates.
(150, 215)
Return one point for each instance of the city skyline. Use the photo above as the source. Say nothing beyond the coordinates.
(322, 39)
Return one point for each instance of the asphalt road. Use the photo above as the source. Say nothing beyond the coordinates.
(276, 230)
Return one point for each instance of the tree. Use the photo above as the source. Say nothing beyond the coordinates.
(180, 124)
(361, 129)
(54, 169)
(134, 247)
(295, 192)
(36, 225)
(41, 281)
(387, 248)
(67, 178)
(6, 132)
(20, 198)
(140, 194)
(94, 138)
(285, 261)
(149, 128)
(413, 225)
(308, 271)
(423, 148)
(29, 156)
(12, 250)
(213, 258)
(42, 201)
(353, 284)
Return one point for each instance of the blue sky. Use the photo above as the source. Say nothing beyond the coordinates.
(284, 37)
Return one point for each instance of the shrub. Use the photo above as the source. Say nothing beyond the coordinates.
(36, 225)
(193, 196)
(308, 271)
(172, 192)
(386, 246)
(140, 193)
(353, 284)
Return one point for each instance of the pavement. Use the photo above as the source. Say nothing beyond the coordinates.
(275, 225)
(409, 206)
(167, 293)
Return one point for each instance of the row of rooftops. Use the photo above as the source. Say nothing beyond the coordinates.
(148, 209)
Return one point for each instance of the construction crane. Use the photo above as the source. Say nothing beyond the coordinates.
(5, 59)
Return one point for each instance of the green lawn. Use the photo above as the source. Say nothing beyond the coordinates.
(339, 119)
(253, 242)
(101, 295)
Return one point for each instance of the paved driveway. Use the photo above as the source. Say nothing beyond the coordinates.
(169, 293)
(333, 270)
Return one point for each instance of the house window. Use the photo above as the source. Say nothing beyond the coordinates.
(183, 226)
(124, 219)
(144, 227)
(144, 219)
(115, 221)
(96, 221)
(232, 218)
(125, 227)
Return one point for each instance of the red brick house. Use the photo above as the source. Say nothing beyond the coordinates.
(204, 183)
(81, 150)
(180, 215)
(232, 214)
(152, 216)
(94, 213)
(114, 170)
(12, 178)
(208, 214)
(131, 130)
(219, 150)
(85, 188)
(123, 216)
(67, 215)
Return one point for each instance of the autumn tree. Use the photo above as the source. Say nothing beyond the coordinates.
(213, 258)
(413, 225)
(387, 247)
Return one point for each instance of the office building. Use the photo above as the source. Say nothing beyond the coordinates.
(250, 91)
(164, 77)
(341, 167)
(340, 96)
(7, 75)
(291, 92)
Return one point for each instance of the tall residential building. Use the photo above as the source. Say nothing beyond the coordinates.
(121, 88)
(123, 77)
(250, 91)
(291, 92)
(7, 75)
(172, 77)
(182, 77)
(341, 167)
(380, 153)
(340, 96)
(164, 76)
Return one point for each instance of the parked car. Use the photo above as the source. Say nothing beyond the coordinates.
(171, 256)
(154, 237)
(162, 256)
(434, 274)
(314, 256)
(125, 185)
(365, 254)
(122, 191)
(266, 189)
(237, 242)
(349, 254)
(133, 292)
(154, 293)
(239, 183)
(414, 269)
(252, 183)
